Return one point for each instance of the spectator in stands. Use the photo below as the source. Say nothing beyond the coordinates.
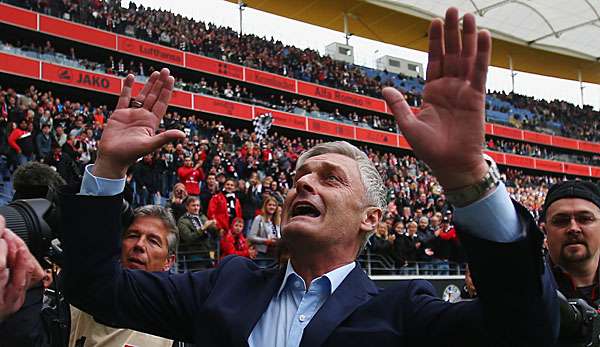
(191, 175)
(21, 142)
(148, 243)
(146, 175)
(406, 248)
(225, 206)
(444, 245)
(382, 244)
(424, 245)
(43, 142)
(177, 201)
(64, 164)
(198, 237)
(249, 200)
(233, 241)
(265, 230)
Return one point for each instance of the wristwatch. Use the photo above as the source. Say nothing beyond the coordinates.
(469, 194)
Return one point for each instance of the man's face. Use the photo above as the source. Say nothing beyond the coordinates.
(573, 231)
(194, 207)
(423, 223)
(187, 162)
(145, 245)
(211, 180)
(229, 186)
(327, 203)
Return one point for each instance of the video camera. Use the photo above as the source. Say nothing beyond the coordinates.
(579, 323)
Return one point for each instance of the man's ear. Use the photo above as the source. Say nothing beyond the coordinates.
(169, 262)
(370, 218)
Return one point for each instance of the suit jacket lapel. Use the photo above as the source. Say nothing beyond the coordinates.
(249, 316)
(356, 289)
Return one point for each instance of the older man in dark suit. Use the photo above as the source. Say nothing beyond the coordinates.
(322, 297)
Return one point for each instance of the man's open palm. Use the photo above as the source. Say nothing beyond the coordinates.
(449, 131)
(130, 132)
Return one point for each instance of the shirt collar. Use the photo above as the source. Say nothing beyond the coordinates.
(336, 277)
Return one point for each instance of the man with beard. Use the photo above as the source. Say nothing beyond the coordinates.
(571, 217)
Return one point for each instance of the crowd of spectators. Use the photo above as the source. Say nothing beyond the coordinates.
(557, 117)
(221, 179)
(298, 105)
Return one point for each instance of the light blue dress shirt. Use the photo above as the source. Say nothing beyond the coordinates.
(492, 218)
(294, 306)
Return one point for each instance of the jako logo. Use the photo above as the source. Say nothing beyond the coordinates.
(65, 74)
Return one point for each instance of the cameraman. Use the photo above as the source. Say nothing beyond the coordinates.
(571, 220)
(19, 271)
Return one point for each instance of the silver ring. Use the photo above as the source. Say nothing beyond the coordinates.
(135, 104)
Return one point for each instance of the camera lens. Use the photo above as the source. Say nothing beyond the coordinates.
(26, 219)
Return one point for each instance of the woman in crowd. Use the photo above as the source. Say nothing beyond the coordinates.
(265, 231)
(177, 201)
(234, 242)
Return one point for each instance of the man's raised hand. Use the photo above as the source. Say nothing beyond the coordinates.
(449, 131)
(130, 132)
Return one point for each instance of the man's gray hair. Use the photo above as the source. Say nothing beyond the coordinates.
(375, 191)
(165, 215)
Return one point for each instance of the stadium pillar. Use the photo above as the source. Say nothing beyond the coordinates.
(512, 72)
(346, 31)
(241, 6)
(581, 87)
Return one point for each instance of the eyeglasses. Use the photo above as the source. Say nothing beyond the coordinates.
(582, 219)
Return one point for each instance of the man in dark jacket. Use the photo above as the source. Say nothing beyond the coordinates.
(337, 200)
(146, 175)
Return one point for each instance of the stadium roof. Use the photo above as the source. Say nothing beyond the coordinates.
(559, 38)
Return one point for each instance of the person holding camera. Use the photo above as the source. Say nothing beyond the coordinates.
(20, 293)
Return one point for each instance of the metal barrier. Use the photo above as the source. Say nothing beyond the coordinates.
(372, 263)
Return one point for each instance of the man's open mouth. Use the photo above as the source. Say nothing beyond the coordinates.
(135, 261)
(305, 209)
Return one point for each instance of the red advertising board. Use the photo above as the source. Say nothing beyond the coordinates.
(519, 160)
(283, 119)
(336, 95)
(403, 143)
(589, 146)
(270, 80)
(150, 50)
(19, 65)
(498, 157)
(178, 98)
(537, 137)
(595, 171)
(564, 142)
(81, 78)
(488, 129)
(548, 165)
(17, 16)
(213, 66)
(222, 107)
(379, 137)
(77, 32)
(330, 128)
(576, 169)
(512, 133)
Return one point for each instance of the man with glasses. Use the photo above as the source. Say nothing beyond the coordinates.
(571, 221)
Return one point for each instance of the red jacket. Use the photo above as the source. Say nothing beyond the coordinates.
(229, 246)
(190, 177)
(14, 136)
(217, 209)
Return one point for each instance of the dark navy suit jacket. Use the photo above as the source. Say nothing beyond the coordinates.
(517, 305)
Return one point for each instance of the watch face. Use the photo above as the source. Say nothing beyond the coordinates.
(451, 294)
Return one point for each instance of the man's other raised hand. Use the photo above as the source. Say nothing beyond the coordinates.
(131, 132)
(449, 131)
